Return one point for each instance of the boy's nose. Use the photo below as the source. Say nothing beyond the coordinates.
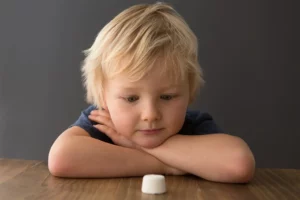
(151, 113)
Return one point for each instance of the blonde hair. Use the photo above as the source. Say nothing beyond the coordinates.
(142, 34)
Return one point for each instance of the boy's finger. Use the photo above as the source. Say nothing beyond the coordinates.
(100, 112)
(94, 112)
(104, 113)
(107, 130)
(102, 120)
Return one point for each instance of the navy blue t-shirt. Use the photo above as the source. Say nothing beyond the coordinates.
(196, 123)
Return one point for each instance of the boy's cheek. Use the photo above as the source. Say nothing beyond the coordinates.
(121, 123)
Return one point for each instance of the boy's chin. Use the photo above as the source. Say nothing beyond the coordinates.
(150, 144)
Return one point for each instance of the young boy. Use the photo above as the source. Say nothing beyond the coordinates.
(141, 74)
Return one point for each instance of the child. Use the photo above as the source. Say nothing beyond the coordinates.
(141, 74)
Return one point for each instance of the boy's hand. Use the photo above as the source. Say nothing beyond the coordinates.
(106, 126)
(168, 170)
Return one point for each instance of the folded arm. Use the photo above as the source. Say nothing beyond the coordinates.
(215, 157)
(76, 154)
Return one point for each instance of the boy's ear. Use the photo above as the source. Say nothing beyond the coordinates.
(104, 108)
(103, 105)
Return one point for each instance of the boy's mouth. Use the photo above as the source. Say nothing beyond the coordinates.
(151, 131)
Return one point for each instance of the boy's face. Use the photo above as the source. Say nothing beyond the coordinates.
(147, 111)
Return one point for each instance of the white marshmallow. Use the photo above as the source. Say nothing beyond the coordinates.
(154, 184)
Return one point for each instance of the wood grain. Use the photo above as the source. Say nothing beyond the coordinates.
(31, 180)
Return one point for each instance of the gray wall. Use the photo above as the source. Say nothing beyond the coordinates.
(249, 51)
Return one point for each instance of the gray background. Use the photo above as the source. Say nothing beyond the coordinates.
(249, 51)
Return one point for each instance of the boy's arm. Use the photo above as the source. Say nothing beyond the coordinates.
(76, 154)
(215, 157)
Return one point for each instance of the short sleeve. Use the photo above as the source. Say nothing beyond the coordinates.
(198, 123)
(85, 123)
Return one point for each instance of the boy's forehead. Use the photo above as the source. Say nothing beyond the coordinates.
(159, 74)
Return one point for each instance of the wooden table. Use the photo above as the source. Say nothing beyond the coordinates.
(30, 180)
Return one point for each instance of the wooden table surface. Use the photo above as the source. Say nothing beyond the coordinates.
(30, 180)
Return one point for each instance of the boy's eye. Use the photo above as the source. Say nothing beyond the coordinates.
(131, 99)
(167, 97)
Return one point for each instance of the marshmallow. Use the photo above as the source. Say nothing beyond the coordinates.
(154, 184)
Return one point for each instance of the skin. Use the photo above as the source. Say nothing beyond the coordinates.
(146, 112)
(131, 111)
